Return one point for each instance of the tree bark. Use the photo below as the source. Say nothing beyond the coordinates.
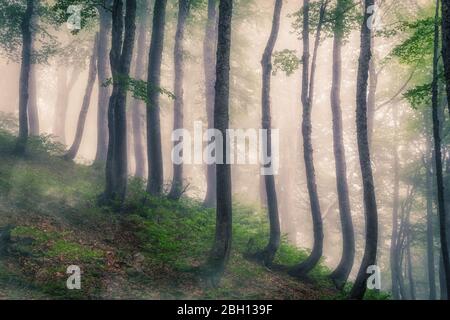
(222, 244)
(120, 59)
(438, 156)
(178, 117)
(446, 46)
(412, 287)
(430, 228)
(24, 78)
(307, 101)
(33, 113)
(272, 202)
(370, 203)
(341, 273)
(154, 149)
(104, 92)
(72, 152)
(137, 105)
(209, 62)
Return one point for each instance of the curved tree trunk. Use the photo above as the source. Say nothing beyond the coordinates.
(72, 152)
(178, 117)
(272, 202)
(222, 244)
(438, 157)
(209, 62)
(307, 101)
(370, 203)
(340, 275)
(103, 91)
(24, 78)
(120, 59)
(154, 149)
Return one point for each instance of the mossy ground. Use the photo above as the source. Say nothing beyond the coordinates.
(149, 251)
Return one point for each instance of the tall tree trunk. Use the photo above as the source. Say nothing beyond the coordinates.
(307, 101)
(120, 58)
(209, 62)
(370, 203)
(412, 287)
(154, 149)
(103, 91)
(178, 117)
(438, 156)
(222, 244)
(24, 78)
(33, 113)
(446, 46)
(72, 152)
(340, 275)
(272, 202)
(371, 97)
(395, 205)
(430, 228)
(137, 106)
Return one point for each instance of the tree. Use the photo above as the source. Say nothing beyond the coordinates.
(430, 228)
(220, 252)
(73, 150)
(446, 45)
(25, 76)
(307, 101)
(438, 156)
(178, 53)
(341, 273)
(103, 73)
(154, 149)
(272, 203)
(370, 203)
(123, 32)
(209, 62)
(137, 105)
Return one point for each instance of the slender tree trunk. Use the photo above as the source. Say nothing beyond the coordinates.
(438, 157)
(340, 275)
(307, 101)
(154, 149)
(222, 244)
(209, 62)
(430, 228)
(178, 116)
(446, 45)
(395, 205)
(72, 152)
(370, 203)
(103, 91)
(272, 203)
(24, 78)
(138, 106)
(33, 113)
(412, 287)
(120, 59)
(371, 97)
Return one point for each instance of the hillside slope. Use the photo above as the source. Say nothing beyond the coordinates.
(49, 220)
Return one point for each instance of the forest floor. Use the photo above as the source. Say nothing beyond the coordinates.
(49, 220)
